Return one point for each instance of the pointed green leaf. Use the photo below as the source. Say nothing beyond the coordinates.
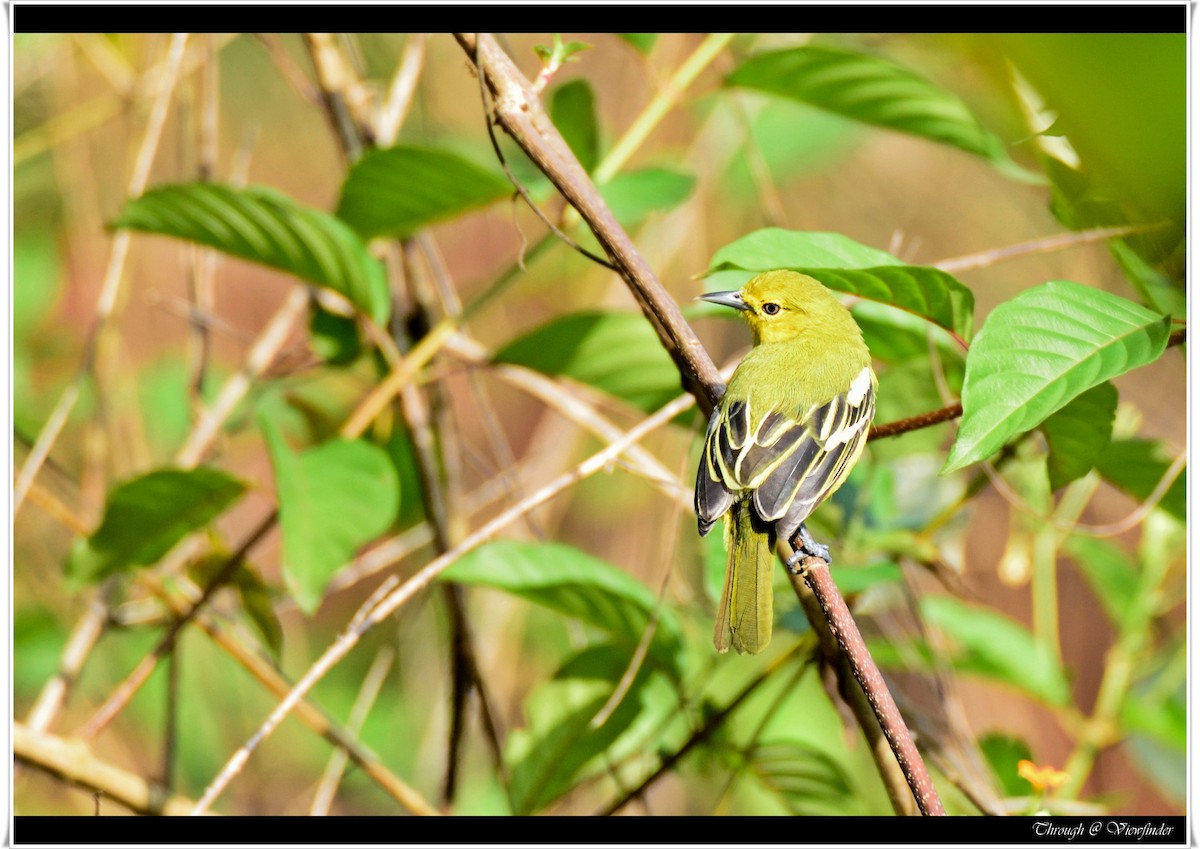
(396, 191)
(333, 499)
(559, 741)
(845, 265)
(873, 91)
(803, 777)
(573, 111)
(145, 517)
(1135, 466)
(575, 584)
(263, 225)
(1079, 433)
(1003, 754)
(633, 195)
(1108, 571)
(1041, 350)
(643, 42)
(615, 352)
(257, 603)
(998, 648)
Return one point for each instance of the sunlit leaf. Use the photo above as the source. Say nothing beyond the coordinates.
(333, 499)
(614, 352)
(1039, 351)
(145, 517)
(1079, 433)
(265, 226)
(873, 91)
(396, 191)
(844, 265)
(574, 584)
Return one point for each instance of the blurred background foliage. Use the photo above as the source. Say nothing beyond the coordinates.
(1006, 636)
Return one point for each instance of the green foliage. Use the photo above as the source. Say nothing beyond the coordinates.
(1003, 753)
(1041, 350)
(563, 738)
(398, 190)
(145, 517)
(333, 499)
(265, 226)
(1137, 466)
(873, 91)
(617, 353)
(1109, 572)
(998, 648)
(1079, 433)
(633, 195)
(576, 585)
(806, 779)
(573, 110)
(643, 42)
(847, 266)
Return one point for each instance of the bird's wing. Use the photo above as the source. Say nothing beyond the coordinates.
(713, 495)
(794, 462)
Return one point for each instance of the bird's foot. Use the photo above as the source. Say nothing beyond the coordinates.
(809, 547)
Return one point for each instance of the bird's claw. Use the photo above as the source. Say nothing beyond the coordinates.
(809, 547)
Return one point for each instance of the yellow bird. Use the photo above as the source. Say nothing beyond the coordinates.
(792, 422)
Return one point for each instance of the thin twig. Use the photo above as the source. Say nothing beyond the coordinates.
(74, 762)
(1044, 245)
(371, 685)
(917, 422)
(400, 94)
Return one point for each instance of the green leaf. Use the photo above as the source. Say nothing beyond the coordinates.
(559, 741)
(573, 111)
(577, 585)
(1003, 753)
(897, 337)
(333, 338)
(266, 226)
(873, 91)
(804, 778)
(845, 265)
(1079, 433)
(332, 500)
(1041, 350)
(855, 579)
(398, 190)
(998, 648)
(909, 388)
(1108, 571)
(635, 194)
(1135, 466)
(614, 352)
(145, 517)
(257, 602)
(37, 279)
(1163, 720)
(643, 42)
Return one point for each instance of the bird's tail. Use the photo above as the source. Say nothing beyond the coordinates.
(745, 614)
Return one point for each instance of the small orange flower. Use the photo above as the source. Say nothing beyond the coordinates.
(1041, 777)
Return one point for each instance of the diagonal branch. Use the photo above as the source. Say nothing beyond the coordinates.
(519, 112)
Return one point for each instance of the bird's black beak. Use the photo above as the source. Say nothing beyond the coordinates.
(726, 299)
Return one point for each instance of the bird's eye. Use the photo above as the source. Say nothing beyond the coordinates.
(770, 309)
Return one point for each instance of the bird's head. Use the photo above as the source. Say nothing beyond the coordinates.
(783, 305)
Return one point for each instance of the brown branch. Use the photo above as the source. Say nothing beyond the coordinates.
(817, 576)
(73, 761)
(929, 419)
(519, 112)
